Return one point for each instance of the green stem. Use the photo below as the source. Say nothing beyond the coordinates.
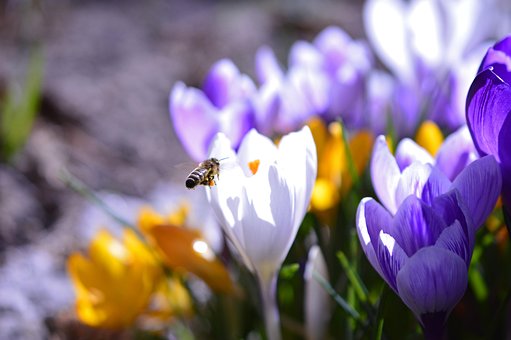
(268, 286)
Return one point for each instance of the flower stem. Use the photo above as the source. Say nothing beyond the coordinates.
(268, 286)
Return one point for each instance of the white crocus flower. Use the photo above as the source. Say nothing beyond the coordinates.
(261, 201)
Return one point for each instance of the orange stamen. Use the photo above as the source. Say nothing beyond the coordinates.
(253, 166)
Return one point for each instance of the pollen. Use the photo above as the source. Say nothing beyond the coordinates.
(253, 166)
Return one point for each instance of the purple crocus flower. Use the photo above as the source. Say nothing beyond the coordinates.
(223, 105)
(423, 249)
(412, 169)
(325, 77)
(489, 111)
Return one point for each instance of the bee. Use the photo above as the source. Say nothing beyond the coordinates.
(204, 173)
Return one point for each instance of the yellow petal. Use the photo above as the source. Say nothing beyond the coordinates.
(325, 195)
(176, 245)
(429, 137)
(148, 217)
(319, 133)
(113, 289)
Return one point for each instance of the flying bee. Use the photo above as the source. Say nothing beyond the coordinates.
(204, 173)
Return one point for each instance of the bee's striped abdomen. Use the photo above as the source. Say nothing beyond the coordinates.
(196, 177)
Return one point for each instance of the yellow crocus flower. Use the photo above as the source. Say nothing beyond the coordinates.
(430, 137)
(334, 177)
(115, 282)
(184, 249)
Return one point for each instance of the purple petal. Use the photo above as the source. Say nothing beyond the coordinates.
(236, 120)
(451, 208)
(385, 174)
(187, 107)
(390, 257)
(488, 105)
(500, 53)
(364, 237)
(304, 54)
(436, 185)
(377, 218)
(266, 65)
(332, 42)
(456, 153)
(505, 160)
(432, 281)
(224, 84)
(479, 186)
(453, 238)
(416, 225)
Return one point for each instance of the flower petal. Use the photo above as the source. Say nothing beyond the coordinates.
(456, 153)
(505, 159)
(454, 238)
(187, 107)
(416, 225)
(391, 258)
(436, 185)
(224, 84)
(412, 181)
(298, 163)
(386, 29)
(256, 147)
(408, 152)
(479, 185)
(363, 234)
(385, 174)
(432, 281)
(266, 65)
(488, 105)
(498, 54)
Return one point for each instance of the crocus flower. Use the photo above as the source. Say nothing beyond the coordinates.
(222, 105)
(409, 171)
(423, 248)
(433, 51)
(183, 248)
(325, 77)
(489, 111)
(334, 177)
(261, 201)
(115, 282)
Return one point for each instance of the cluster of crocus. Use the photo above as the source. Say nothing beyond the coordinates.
(489, 111)
(124, 282)
(433, 51)
(421, 237)
(325, 78)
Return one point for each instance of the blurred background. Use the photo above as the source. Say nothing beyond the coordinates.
(90, 81)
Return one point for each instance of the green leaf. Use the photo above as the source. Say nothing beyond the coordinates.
(18, 112)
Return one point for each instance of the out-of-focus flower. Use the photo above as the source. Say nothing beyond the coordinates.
(261, 203)
(334, 178)
(326, 77)
(412, 167)
(317, 301)
(423, 249)
(223, 105)
(115, 283)
(489, 111)
(429, 137)
(433, 50)
(184, 249)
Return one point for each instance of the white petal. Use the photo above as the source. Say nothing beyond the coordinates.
(256, 147)
(387, 31)
(385, 174)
